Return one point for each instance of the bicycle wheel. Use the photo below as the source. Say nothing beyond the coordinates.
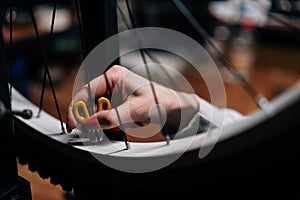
(243, 153)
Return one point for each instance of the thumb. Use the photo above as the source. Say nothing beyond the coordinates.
(109, 119)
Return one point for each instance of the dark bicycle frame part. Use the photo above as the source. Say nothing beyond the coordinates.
(11, 185)
(99, 22)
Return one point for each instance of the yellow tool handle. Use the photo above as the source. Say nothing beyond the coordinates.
(80, 105)
(103, 104)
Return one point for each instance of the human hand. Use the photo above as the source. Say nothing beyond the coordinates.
(133, 100)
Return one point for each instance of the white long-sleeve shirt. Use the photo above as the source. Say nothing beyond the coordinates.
(217, 116)
(209, 115)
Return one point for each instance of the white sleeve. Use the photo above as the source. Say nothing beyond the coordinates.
(217, 116)
(209, 116)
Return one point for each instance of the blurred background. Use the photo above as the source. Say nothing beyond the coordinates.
(258, 37)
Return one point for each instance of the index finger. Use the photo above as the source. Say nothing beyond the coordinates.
(102, 85)
(98, 87)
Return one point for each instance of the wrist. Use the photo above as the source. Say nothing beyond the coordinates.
(181, 110)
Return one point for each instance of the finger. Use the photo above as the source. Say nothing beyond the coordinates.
(109, 119)
(98, 87)
(107, 82)
(70, 121)
(132, 124)
(103, 85)
(83, 93)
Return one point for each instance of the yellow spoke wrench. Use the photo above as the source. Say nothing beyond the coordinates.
(103, 104)
(83, 116)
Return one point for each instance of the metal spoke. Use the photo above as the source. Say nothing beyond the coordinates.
(84, 53)
(260, 100)
(149, 76)
(45, 59)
